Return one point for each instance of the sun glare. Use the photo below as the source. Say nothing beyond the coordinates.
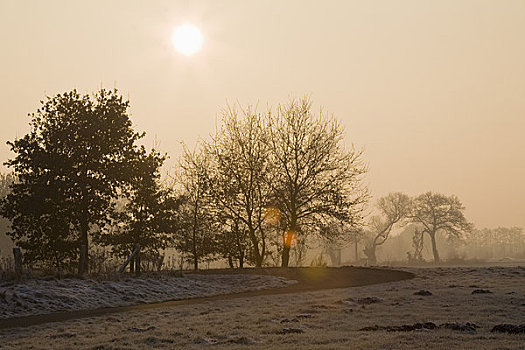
(187, 39)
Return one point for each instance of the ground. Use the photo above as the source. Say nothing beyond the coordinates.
(310, 319)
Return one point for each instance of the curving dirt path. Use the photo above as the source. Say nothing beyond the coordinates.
(308, 279)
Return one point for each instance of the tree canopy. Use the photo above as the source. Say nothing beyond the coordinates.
(316, 181)
(436, 212)
(69, 166)
(392, 209)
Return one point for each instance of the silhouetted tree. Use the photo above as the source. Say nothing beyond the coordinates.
(392, 208)
(233, 242)
(147, 214)
(239, 181)
(6, 180)
(68, 168)
(315, 181)
(439, 213)
(195, 234)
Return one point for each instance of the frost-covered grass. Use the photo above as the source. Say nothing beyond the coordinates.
(39, 296)
(328, 319)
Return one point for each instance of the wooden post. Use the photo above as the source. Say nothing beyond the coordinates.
(135, 251)
(82, 260)
(137, 261)
(18, 261)
(132, 265)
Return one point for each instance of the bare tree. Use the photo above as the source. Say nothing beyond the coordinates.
(393, 208)
(439, 213)
(195, 217)
(316, 181)
(240, 188)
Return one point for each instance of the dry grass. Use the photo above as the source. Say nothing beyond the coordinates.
(310, 320)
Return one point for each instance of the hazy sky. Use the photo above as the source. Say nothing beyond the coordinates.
(433, 90)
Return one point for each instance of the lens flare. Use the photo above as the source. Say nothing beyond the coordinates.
(289, 239)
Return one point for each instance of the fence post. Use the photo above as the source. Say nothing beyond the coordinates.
(18, 261)
(132, 265)
(135, 251)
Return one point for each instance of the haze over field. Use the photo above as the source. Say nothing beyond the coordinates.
(433, 90)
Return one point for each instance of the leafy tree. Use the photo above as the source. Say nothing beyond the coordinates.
(392, 208)
(316, 181)
(239, 182)
(146, 216)
(69, 167)
(6, 180)
(195, 218)
(439, 213)
(39, 221)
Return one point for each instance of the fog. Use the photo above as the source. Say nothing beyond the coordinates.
(433, 90)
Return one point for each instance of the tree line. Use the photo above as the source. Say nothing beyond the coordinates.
(258, 185)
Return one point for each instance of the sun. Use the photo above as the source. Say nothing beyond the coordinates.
(187, 39)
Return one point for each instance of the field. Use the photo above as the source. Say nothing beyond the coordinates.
(305, 316)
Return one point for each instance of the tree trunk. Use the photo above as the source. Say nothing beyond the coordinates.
(285, 256)
(84, 228)
(195, 262)
(434, 247)
(194, 236)
(18, 261)
(255, 244)
(370, 253)
(287, 244)
(356, 252)
(82, 263)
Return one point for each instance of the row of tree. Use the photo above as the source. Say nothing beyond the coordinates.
(260, 183)
(431, 213)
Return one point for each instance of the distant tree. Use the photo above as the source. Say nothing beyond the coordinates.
(316, 182)
(392, 208)
(147, 214)
(334, 252)
(239, 183)
(499, 242)
(195, 234)
(338, 236)
(417, 244)
(6, 180)
(439, 213)
(68, 168)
